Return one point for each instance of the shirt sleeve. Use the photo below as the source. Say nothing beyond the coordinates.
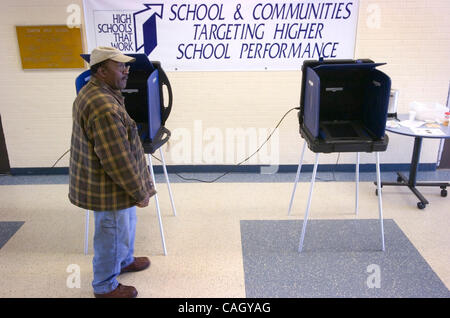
(113, 148)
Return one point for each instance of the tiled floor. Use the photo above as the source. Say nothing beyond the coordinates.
(204, 240)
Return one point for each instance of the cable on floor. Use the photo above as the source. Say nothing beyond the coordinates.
(240, 163)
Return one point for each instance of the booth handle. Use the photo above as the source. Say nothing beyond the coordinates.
(159, 140)
(165, 111)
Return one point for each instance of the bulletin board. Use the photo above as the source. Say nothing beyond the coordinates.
(50, 46)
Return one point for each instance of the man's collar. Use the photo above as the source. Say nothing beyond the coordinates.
(115, 92)
(96, 81)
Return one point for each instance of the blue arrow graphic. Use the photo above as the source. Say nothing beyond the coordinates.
(145, 27)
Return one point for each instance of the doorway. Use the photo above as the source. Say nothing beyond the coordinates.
(444, 162)
(4, 160)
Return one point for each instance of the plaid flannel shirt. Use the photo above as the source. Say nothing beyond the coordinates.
(108, 169)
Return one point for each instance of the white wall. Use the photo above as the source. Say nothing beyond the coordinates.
(411, 36)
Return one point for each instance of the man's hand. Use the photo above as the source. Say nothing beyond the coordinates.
(144, 202)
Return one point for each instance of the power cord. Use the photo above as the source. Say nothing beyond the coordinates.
(214, 180)
(333, 171)
(246, 159)
(60, 158)
(224, 174)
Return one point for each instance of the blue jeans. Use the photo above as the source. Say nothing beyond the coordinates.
(113, 246)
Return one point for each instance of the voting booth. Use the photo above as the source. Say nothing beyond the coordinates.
(343, 105)
(144, 99)
(343, 108)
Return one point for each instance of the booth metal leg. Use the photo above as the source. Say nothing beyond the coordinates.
(380, 203)
(168, 182)
(161, 230)
(297, 177)
(86, 233)
(305, 220)
(357, 183)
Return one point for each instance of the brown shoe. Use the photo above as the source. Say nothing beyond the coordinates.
(139, 264)
(120, 292)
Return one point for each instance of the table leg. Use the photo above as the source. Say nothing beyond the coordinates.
(415, 161)
(411, 181)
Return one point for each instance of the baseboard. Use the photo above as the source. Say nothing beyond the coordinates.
(387, 167)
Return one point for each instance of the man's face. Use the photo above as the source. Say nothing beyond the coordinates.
(116, 74)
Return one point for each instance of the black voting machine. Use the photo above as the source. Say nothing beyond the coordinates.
(343, 106)
(144, 99)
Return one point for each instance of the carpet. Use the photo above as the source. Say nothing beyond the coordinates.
(340, 258)
(7, 230)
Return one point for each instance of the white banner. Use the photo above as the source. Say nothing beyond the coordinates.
(225, 35)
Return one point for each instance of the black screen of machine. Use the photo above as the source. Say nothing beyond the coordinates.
(135, 94)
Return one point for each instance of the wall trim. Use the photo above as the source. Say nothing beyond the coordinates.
(387, 167)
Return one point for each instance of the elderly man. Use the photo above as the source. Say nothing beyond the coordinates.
(108, 173)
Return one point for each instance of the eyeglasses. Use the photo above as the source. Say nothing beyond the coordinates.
(124, 68)
(121, 67)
